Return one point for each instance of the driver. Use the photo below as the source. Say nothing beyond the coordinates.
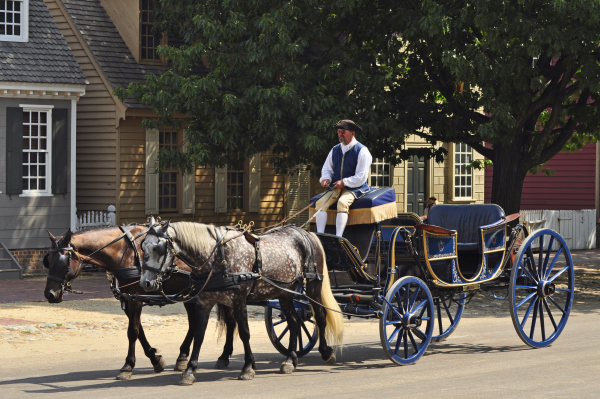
(346, 169)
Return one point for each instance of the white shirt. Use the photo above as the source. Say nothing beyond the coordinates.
(362, 166)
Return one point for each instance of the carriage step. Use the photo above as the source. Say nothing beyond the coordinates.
(9, 267)
(12, 274)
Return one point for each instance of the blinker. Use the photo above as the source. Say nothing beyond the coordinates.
(161, 248)
(63, 260)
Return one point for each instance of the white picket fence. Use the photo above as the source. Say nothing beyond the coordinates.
(578, 228)
(91, 219)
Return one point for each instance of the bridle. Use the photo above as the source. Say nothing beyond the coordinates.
(162, 250)
(64, 260)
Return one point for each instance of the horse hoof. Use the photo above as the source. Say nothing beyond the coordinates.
(247, 375)
(181, 365)
(187, 379)
(331, 359)
(221, 364)
(124, 375)
(160, 366)
(287, 368)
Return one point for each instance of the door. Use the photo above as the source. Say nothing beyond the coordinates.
(415, 185)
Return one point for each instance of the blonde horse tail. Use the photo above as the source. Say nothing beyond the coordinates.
(334, 332)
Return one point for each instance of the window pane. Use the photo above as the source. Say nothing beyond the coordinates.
(457, 192)
(17, 30)
(33, 170)
(42, 184)
(468, 191)
(9, 29)
(34, 130)
(9, 17)
(35, 117)
(42, 157)
(33, 184)
(9, 5)
(25, 157)
(25, 185)
(42, 170)
(18, 6)
(25, 170)
(42, 144)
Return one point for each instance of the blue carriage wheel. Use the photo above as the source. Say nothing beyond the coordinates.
(542, 284)
(279, 332)
(448, 311)
(406, 323)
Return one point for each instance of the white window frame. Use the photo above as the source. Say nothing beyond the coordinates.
(24, 36)
(377, 160)
(470, 171)
(49, 135)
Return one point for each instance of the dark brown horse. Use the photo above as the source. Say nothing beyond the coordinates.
(231, 270)
(64, 261)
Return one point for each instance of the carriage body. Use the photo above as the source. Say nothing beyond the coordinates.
(457, 251)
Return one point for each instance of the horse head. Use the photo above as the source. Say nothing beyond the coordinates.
(61, 265)
(159, 254)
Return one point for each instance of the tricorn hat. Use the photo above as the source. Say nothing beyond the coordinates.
(348, 125)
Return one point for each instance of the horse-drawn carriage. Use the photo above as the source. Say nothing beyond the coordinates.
(412, 274)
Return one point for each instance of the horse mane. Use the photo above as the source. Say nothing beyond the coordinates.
(195, 237)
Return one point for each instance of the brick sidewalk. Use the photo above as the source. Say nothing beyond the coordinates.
(32, 290)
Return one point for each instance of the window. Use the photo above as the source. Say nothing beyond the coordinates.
(463, 173)
(36, 150)
(14, 16)
(235, 190)
(169, 178)
(380, 173)
(149, 41)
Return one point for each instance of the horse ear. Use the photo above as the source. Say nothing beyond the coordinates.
(52, 237)
(165, 226)
(67, 238)
(151, 221)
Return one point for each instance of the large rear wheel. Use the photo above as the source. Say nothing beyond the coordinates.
(279, 332)
(542, 285)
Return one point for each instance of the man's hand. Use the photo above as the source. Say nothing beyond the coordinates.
(325, 183)
(339, 184)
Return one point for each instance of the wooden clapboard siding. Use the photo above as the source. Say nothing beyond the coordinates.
(96, 124)
(132, 170)
(571, 187)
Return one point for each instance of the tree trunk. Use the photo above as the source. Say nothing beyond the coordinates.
(507, 184)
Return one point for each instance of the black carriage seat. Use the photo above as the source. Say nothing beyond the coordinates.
(465, 219)
(359, 235)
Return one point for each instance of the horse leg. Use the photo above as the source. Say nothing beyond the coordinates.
(241, 315)
(184, 349)
(291, 362)
(229, 320)
(202, 311)
(158, 362)
(313, 290)
(132, 334)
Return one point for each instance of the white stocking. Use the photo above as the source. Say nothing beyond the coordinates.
(321, 220)
(340, 223)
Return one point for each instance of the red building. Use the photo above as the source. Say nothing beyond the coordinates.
(573, 186)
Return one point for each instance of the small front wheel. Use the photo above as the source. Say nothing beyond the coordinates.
(542, 285)
(406, 323)
(277, 328)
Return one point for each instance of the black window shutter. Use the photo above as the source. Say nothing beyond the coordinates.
(60, 150)
(14, 150)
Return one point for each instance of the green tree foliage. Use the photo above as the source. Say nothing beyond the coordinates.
(281, 73)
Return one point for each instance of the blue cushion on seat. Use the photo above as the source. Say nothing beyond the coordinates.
(375, 197)
(465, 219)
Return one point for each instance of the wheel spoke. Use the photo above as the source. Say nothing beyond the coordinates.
(528, 297)
(300, 345)
(448, 313)
(420, 305)
(563, 289)
(419, 334)
(557, 305)
(533, 302)
(525, 287)
(406, 298)
(540, 253)
(308, 334)
(550, 314)
(541, 306)
(393, 335)
(547, 257)
(528, 273)
(405, 345)
(531, 258)
(533, 320)
(398, 341)
(285, 330)
(412, 341)
(439, 313)
(279, 322)
(558, 274)
(399, 300)
(556, 256)
(413, 299)
(423, 310)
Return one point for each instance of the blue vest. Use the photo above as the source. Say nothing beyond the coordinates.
(344, 165)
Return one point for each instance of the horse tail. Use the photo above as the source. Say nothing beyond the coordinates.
(221, 326)
(334, 331)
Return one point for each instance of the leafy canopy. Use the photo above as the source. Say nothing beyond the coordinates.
(281, 73)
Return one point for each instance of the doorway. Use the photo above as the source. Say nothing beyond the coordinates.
(415, 185)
